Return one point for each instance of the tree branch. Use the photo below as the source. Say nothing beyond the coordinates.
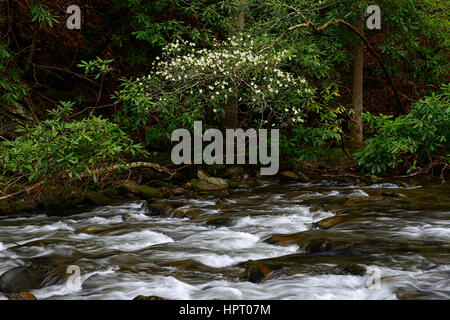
(308, 24)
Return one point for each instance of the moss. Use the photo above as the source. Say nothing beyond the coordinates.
(148, 192)
(21, 206)
(5, 207)
(98, 198)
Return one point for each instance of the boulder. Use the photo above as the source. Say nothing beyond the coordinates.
(34, 276)
(288, 176)
(207, 183)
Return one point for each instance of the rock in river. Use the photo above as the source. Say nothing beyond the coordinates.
(34, 276)
(207, 183)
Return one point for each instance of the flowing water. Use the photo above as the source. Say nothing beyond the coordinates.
(197, 249)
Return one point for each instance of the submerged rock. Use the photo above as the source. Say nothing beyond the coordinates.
(23, 296)
(34, 276)
(348, 269)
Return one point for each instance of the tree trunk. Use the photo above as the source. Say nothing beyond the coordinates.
(356, 127)
(231, 107)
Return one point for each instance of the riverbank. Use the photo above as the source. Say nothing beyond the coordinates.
(151, 185)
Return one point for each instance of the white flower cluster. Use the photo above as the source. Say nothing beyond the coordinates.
(231, 68)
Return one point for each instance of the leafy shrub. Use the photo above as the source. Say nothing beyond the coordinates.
(62, 149)
(418, 137)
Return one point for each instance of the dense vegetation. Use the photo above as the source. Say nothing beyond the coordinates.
(116, 89)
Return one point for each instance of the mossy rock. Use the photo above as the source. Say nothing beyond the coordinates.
(129, 186)
(5, 207)
(21, 206)
(148, 192)
(98, 198)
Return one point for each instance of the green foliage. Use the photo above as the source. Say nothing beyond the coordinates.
(12, 89)
(416, 138)
(63, 149)
(417, 42)
(306, 142)
(42, 15)
(162, 21)
(98, 67)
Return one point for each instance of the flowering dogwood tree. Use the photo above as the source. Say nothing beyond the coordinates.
(189, 84)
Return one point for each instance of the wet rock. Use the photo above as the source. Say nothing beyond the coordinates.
(218, 221)
(328, 223)
(147, 192)
(348, 269)
(34, 276)
(256, 271)
(206, 183)
(23, 296)
(159, 209)
(129, 217)
(98, 198)
(149, 298)
(288, 176)
(187, 213)
(317, 245)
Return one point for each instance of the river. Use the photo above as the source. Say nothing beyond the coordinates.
(197, 249)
